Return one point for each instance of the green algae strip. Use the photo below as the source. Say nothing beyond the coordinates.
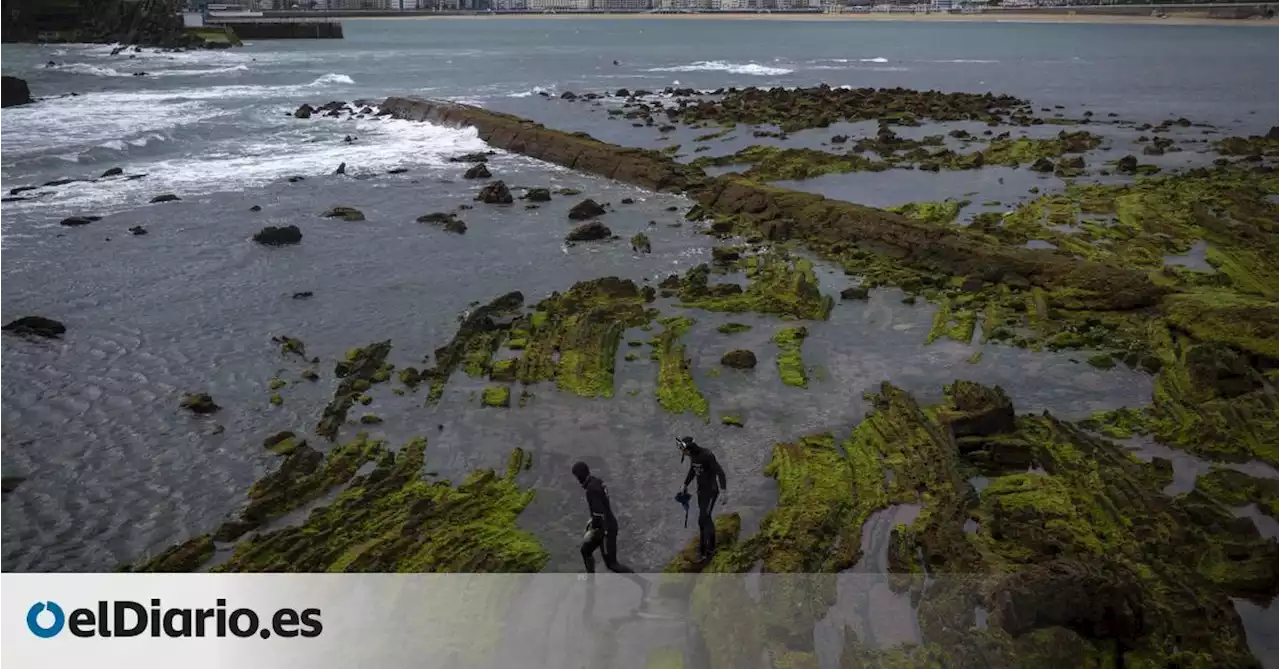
(357, 370)
(391, 520)
(790, 364)
(676, 389)
(779, 284)
(936, 213)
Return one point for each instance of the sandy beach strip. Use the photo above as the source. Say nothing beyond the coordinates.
(1001, 17)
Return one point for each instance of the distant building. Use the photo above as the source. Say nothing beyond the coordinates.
(621, 5)
(552, 5)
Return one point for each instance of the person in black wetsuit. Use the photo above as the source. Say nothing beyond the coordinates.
(704, 467)
(603, 531)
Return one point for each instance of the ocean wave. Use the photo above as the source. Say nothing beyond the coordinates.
(332, 78)
(722, 66)
(533, 91)
(86, 68)
(196, 73)
(877, 59)
(965, 60)
(237, 164)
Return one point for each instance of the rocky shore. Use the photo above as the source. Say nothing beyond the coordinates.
(1068, 544)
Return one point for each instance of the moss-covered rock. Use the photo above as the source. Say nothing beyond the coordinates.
(640, 243)
(345, 213)
(739, 358)
(779, 285)
(201, 403)
(496, 396)
(790, 363)
(732, 328)
(355, 372)
(390, 520)
(676, 389)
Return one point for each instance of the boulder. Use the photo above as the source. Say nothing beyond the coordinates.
(449, 221)
(479, 157)
(1127, 165)
(342, 169)
(76, 221)
(1073, 163)
(1042, 165)
(138, 230)
(167, 197)
(538, 195)
(976, 410)
(278, 236)
(588, 208)
(854, 293)
(589, 232)
(739, 359)
(495, 193)
(304, 111)
(345, 213)
(38, 326)
(256, 207)
(113, 172)
(199, 403)
(640, 243)
(477, 171)
(13, 92)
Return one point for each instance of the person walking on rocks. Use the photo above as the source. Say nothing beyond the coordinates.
(711, 480)
(602, 532)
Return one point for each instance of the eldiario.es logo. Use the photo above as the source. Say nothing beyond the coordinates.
(123, 618)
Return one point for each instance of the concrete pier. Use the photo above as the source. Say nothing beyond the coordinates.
(271, 28)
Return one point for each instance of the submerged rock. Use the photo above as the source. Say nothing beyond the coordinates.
(854, 293)
(138, 230)
(345, 213)
(1042, 165)
(586, 209)
(538, 195)
(739, 359)
(76, 221)
(201, 403)
(480, 157)
(447, 220)
(37, 326)
(587, 232)
(167, 197)
(495, 193)
(278, 236)
(477, 171)
(113, 172)
(10, 483)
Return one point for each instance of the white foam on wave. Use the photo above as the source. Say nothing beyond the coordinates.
(332, 78)
(201, 72)
(308, 148)
(722, 66)
(965, 60)
(533, 91)
(877, 59)
(94, 118)
(86, 68)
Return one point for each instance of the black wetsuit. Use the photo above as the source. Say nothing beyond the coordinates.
(711, 481)
(605, 529)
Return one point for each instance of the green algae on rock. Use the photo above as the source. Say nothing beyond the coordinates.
(355, 371)
(732, 328)
(790, 364)
(937, 213)
(1232, 488)
(1087, 549)
(779, 284)
(390, 520)
(676, 390)
(496, 396)
(731, 420)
